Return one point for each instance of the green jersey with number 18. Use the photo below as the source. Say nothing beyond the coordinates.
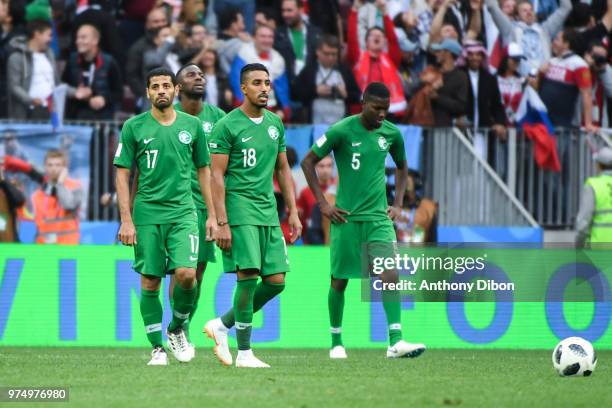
(360, 156)
(165, 156)
(253, 146)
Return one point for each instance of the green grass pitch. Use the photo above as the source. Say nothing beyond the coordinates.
(119, 377)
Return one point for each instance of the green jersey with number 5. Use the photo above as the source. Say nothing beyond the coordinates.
(165, 156)
(253, 146)
(360, 157)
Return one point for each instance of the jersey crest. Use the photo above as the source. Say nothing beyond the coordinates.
(185, 137)
(273, 132)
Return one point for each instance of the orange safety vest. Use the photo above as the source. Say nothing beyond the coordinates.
(54, 224)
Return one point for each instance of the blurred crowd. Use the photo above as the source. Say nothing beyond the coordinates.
(446, 62)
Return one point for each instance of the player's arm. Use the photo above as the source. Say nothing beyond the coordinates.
(308, 167)
(398, 154)
(401, 182)
(218, 169)
(127, 231)
(211, 223)
(285, 182)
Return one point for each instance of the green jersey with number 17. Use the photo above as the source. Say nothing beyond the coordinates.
(209, 115)
(360, 156)
(253, 146)
(165, 156)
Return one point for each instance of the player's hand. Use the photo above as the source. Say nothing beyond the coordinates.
(127, 233)
(334, 213)
(295, 226)
(224, 238)
(394, 212)
(211, 229)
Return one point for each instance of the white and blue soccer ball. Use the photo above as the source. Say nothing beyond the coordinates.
(575, 357)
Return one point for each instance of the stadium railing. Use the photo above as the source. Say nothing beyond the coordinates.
(476, 178)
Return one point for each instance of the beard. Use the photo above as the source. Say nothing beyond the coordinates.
(199, 95)
(163, 105)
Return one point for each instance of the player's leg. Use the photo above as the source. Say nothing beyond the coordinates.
(382, 243)
(182, 249)
(152, 313)
(335, 304)
(150, 263)
(345, 257)
(244, 257)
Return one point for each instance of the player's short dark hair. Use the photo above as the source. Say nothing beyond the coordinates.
(180, 71)
(376, 90)
(250, 68)
(160, 71)
(37, 26)
(330, 40)
(371, 29)
(227, 18)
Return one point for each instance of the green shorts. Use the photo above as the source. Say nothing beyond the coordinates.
(206, 252)
(257, 247)
(349, 242)
(165, 247)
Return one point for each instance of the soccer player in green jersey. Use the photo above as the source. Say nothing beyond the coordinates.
(248, 149)
(361, 215)
(163, 228)
(192, 88)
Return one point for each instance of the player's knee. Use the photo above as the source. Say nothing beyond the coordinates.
(150, 282)
(186, 277)
(275, 287)
(339, 284)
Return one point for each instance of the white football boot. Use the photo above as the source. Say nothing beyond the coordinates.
(216, 330)
(247, 359)
(337, 352)
(158, 357)
(403, 349)
(179, 346)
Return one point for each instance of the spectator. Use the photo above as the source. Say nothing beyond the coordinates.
(600, 32)
(533, 37)
(166, 51)
(325, 14)
(31, 73)
(232, 38)
(261, 51)
(135, 69)
(508, 7)
(510, 82)
(98, 13)
(441, 28)
(296, 40)
(10, 200)
(408, 70)
(564, 78)
(452, 18)
(374, 64)
(324, 86)
(601, 73)
(96, 76)
(310, 214)
(449, 101)
(418, 220)
(56, 203)
(246, 7)
(265, 16)
(484, 107)
(218, 91)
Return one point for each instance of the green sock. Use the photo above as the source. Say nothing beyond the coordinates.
(243, 305)
(183, 303)
(264, 292)
(152, 312)
(392, 306)
(198, 289)
(335, 304)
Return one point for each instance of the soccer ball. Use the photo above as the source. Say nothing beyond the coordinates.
(574, 356)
